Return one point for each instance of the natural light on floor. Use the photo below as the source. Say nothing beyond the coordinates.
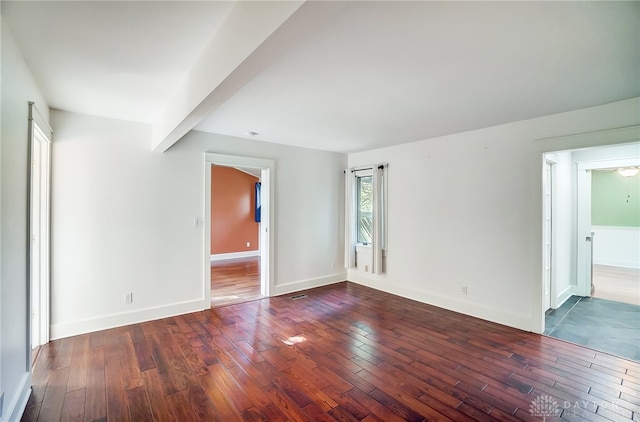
(294, 340)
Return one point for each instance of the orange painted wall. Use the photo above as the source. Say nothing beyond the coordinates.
(232, 211)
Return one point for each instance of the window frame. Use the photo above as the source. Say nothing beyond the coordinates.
(377, 248)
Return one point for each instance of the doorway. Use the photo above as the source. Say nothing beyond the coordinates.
(615, 221)
(240, 270)
(608, 219)
(235, 229)
(582, 313)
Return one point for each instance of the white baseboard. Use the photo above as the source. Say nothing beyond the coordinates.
(68, 329)
(14, 410)
(617, 263)
(563, 296)
(616, 246)
(234, 255)
(309, 284)
(104, 322)
(522, 322)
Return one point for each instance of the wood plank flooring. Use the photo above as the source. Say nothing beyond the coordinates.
(617, 284)
(235, 281)
(344, 353)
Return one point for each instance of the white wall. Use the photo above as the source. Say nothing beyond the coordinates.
(123, 221)
(465, 209)
(309, 206)
(616, 246)
(18, 88)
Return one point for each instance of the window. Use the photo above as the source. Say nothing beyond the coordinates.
(366, 215)
(364, 207)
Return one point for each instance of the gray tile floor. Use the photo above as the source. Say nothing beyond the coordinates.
(604, 325)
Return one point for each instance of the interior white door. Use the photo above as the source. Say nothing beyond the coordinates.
(39, 235)
(265, 208)
(584, 235)
(547, 234)
(35, 242)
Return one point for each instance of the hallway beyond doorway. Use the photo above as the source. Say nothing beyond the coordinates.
(235, 281)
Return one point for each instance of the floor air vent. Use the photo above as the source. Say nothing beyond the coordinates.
(296, 297)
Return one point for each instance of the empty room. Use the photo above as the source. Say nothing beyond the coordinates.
(316, 210)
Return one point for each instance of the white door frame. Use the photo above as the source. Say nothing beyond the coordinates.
(549, 299)
(39, 182)
(267, 168)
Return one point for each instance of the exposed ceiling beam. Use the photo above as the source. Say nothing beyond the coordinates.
(246, 27)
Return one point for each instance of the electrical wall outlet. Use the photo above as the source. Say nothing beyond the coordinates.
(128, 298)
(464, 290)
(248, 244)
(366, 268)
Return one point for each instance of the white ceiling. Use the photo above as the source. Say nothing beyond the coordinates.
(338, 76)
(112, 59)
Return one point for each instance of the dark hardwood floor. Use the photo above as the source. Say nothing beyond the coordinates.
(235, 281)
(344, 353)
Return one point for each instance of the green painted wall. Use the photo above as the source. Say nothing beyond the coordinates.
(615, 200)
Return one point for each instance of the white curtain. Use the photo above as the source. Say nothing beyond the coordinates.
(349, 220)
(377, 245)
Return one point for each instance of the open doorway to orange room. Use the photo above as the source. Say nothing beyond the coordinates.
(235, 235)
